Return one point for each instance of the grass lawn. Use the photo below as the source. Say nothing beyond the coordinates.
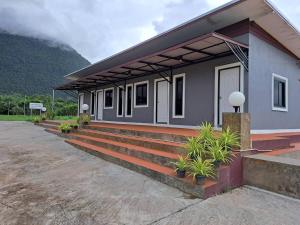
(29, 118)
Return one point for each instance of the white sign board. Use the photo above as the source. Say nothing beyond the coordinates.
(35, 106)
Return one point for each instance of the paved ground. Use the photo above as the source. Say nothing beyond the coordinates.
(45, 181)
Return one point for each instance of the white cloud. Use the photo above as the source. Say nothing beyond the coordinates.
(99, 28)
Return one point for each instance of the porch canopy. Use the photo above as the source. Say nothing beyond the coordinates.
(196, 50)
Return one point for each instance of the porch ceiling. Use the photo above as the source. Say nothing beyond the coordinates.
(203, 48)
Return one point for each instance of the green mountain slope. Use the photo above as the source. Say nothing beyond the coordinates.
(31, 66)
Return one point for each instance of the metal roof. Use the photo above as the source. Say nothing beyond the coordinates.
(262, 12)
(203, 48)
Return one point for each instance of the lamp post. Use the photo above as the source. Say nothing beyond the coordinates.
(237, 121)
(236, 100)
(85, 108)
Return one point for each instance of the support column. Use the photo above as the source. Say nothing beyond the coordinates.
(240, 124)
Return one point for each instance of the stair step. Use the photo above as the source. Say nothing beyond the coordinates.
(160, 133)
(53, 122)
(173, 147)
(47, 125)
(161, 173)
(155, 156)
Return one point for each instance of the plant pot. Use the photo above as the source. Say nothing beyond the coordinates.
(199, 179)
(180, 173)
(217, 163)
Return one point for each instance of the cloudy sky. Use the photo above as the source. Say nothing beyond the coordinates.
(99, 28)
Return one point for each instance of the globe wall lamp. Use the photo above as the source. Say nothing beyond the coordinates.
(236, 100)
(85, 107)
(44, 109)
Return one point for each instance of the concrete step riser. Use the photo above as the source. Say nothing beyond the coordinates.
(195, 190)
(143, 143)
(158, 136)
(141, 155)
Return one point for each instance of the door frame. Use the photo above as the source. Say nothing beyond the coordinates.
(96, 116)
(79, 106)
(91, 103)
(155, 102)
(217, 87)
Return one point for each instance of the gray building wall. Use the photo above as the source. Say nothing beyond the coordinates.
(199, 94)
(264, 60)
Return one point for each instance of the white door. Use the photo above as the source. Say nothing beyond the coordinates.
(229, 81)
(81, 97)
(100, 105)
(162, 102)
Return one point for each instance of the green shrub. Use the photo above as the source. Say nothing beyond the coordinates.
(36, 119)
(201, 167)
(65, 127)
(44, 116)
(74, 125)
(229, 140)
(85, 118)
(218, 153)
(194, 148)
(50, 115)
(181, 164)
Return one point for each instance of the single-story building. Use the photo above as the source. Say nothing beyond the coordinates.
(184, 76)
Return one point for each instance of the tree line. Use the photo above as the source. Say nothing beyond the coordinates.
(15, 104)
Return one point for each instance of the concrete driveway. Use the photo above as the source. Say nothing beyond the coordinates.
(46, 181)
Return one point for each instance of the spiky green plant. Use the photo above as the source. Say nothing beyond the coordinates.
(36, 119)
(229, 139)
(218, 153)
(206, 135)
(202, 167)
(65, 127)
(194, 148)
(181, 164)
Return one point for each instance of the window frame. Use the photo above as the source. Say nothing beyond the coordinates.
(113, 92)
(135, 93)
(174, 97)
(118, 92)
(285, 80)
(126, 100)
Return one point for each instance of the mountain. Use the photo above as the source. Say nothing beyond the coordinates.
(32, 66)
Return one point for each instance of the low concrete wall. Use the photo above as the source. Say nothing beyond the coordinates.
(273, 173)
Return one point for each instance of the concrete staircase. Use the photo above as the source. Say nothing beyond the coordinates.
(144, 149)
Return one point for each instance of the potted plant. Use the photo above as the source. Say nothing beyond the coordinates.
(194, 148)
(201, 169)
(181, 166)
(74, 126)
(36, 120)
(44, 117)
(219, 154)
(229, 139)
(86, 119)
(65, 128)
(206, 135)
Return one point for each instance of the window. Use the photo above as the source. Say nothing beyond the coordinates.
(120, 95)
(141, 94)
(128, 104)
(178, 95)
(92, 103)
(279, 93)
(108, 98)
